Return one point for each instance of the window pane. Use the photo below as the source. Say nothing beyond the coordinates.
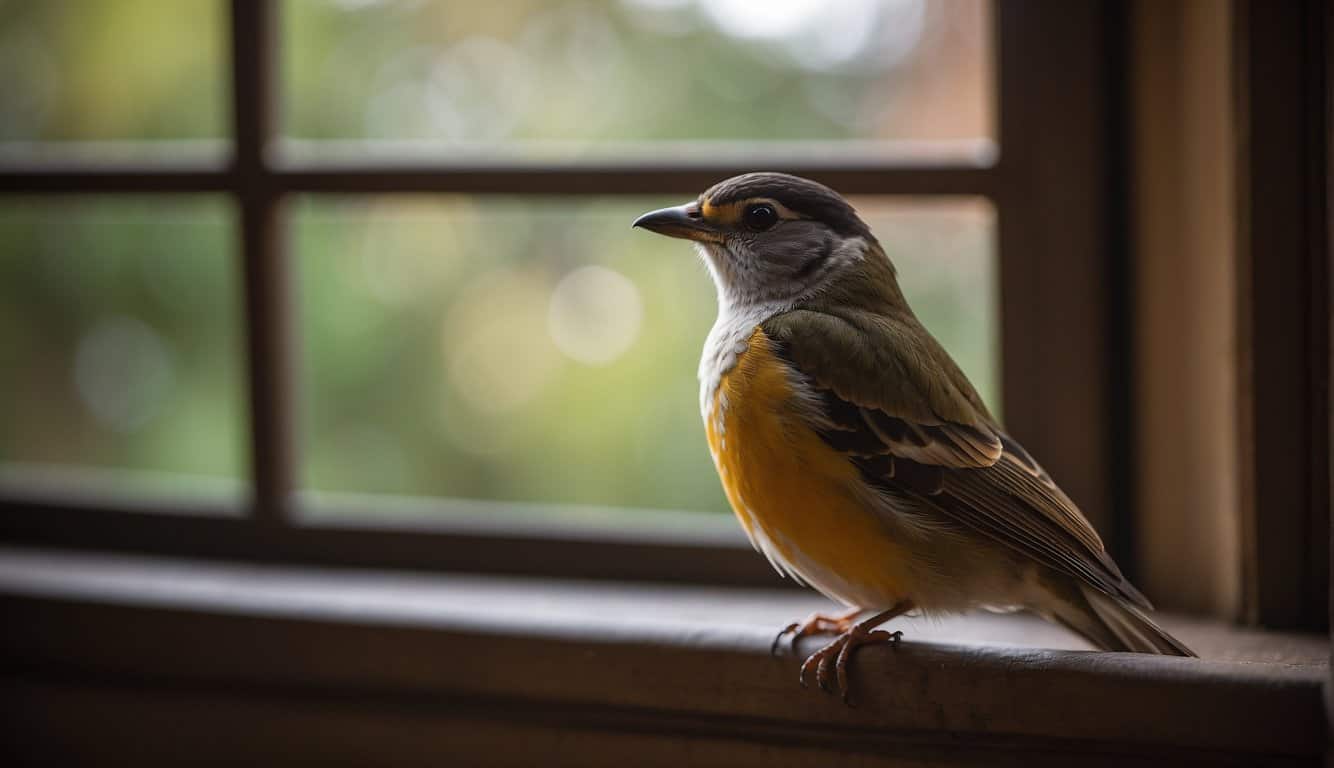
(583, 75)
(112, 70)
(540, 350)
(119, 335)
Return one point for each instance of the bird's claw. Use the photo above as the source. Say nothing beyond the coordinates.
(792, 628)
(830, 663)
(815, 624)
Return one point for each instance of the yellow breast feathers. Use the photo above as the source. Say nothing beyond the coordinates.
(801, 503)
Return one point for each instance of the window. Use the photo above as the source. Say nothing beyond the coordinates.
(378, 228)
(355, 285)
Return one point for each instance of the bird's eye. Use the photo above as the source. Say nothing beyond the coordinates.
(760, 217)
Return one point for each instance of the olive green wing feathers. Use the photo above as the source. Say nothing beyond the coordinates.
(891, 399)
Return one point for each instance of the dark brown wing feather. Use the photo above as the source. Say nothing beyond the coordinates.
(973, 473)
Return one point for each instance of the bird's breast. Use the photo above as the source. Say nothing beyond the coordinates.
(801, 503)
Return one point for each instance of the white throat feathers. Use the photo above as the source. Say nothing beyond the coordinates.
(747, 298)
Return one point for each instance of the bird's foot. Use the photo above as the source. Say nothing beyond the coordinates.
(815, 624)
(838, 655)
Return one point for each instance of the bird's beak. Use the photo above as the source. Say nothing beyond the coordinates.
(682, 221)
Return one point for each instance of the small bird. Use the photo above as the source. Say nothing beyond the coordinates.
(856, 454)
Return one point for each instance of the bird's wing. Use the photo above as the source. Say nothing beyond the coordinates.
(890, 398)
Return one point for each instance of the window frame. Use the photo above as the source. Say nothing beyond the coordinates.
(1284, 85)
(1063, 284)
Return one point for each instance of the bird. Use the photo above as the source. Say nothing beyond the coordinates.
(856, 454)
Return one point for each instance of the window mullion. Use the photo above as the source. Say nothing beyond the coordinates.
(267, 288)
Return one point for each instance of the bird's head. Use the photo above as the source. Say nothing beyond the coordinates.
(775, 238)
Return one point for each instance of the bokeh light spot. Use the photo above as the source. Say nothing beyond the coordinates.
(123, 372)
(492, 341)
(595, 314)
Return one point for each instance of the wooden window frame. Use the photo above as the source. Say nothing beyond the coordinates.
(1283, 74)
(1058, 188)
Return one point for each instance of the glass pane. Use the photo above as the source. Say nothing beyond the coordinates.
(112, 70)
(540, 350)
(576, 76)
(119, 336)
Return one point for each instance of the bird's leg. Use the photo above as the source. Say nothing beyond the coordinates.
(816, 624)
(838, 653)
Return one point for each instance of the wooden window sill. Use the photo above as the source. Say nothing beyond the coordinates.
(326, 662)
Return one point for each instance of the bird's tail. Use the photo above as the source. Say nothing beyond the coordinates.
(1113, 624)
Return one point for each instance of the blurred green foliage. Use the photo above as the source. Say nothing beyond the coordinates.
(586, 72)
(509, 348)
(119, 335)
(113, 70)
